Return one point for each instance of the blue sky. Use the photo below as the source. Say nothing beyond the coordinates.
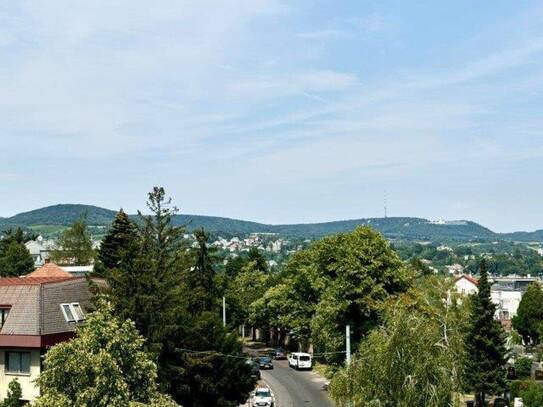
(276, 111)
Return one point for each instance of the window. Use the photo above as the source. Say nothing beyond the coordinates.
(78, 311)
(18, 362)
(4, 312)
(72, 312)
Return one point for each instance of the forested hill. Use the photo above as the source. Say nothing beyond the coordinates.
(401, 227)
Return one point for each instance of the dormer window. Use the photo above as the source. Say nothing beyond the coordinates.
(4, 312)
(73, 312)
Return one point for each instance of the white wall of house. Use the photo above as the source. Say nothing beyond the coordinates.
(30, 390)
(465, 287)
(507, 302)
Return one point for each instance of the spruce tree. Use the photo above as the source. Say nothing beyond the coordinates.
(169, 292)
(119, 237)
(201, 277)
(15, 259)
(145, 285)
(485, 345)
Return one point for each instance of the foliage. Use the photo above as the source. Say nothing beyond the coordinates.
(529, 318)
(207, 366)
(530, 391)
(413, 359)
(249, 285)
(15, 260)
(201, 279)
(169, 291)
(338, 280)
(120, 236)
(349, 275)
(14, 395)
(523, 367)
(104, 366)
(74, 246)
(485, 345)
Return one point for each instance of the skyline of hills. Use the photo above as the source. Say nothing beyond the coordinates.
(409, 228)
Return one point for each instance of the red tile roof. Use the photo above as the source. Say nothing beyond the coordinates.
(49, 270)
(31, 280)
(469, 278)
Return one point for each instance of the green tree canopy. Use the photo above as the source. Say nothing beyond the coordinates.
(15, 260)
(169, 291)
(529, 319)
(338, 280)
(104, 366)
(485, 345)
(74, 246)
(413, 359)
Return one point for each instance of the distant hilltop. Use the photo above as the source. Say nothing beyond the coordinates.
(51, 219)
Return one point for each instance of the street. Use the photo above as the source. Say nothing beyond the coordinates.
(295, 388)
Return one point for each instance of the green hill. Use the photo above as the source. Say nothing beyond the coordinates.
(54, 218)
(63, 214)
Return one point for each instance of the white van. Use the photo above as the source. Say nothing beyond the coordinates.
(299, 360)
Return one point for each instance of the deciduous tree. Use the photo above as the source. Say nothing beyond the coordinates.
(74, 246)
(104, 366)
(529, 319)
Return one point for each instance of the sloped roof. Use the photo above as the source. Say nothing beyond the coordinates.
(11, 281)
(469, 278)
(49, 270)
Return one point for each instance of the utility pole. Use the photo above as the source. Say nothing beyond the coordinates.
(223, 311)
(348, 345)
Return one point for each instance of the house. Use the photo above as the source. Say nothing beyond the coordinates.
(455, 269)
(506, 293)
(37, 311)
(40, 250)
(466, 284)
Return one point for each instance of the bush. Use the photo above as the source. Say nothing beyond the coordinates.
(532, 395)
(523, 367)
(14, 394)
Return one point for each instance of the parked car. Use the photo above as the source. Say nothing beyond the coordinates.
(255, 369)
(265, 362)
(279, 354)
(299, 360)
(262, 397)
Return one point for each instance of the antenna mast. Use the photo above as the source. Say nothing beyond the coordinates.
(386, 215)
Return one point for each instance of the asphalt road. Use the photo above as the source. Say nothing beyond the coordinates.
(295, 388)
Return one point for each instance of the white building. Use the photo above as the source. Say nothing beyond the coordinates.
(40, 250)
(466, 285)
(506, 292)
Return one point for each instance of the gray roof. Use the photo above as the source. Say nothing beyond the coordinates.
(35, 308)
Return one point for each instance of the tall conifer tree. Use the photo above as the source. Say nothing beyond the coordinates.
(121, 234)
(485, 345)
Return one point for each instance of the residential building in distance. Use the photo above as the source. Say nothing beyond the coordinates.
(466, 285)
(506, 293)
(40, 250)
(37, 311)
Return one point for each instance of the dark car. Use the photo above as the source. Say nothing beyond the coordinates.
(255, 369)
(279, 354)
(265, 362)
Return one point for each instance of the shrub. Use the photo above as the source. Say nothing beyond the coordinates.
(523, 367)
